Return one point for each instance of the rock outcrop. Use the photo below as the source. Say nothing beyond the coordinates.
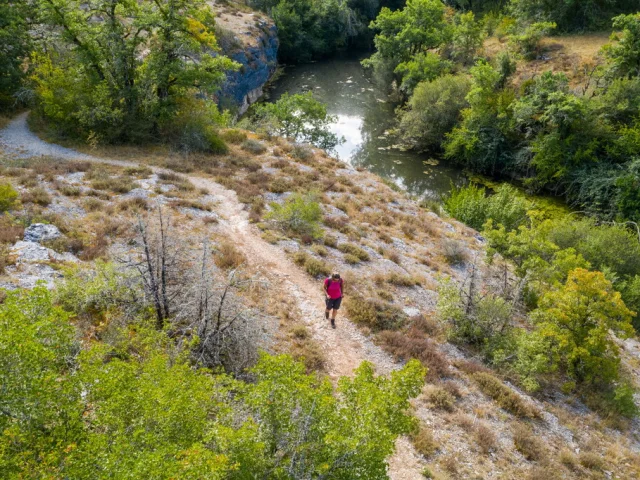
(251, 40)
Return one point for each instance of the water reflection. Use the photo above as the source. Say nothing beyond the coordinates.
(364, 117)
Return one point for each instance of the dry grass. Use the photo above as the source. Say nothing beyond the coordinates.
(374, 314)
(227, 256)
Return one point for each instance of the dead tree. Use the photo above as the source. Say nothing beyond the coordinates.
(162, 267)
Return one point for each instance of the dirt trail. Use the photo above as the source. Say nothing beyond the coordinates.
(345, 347)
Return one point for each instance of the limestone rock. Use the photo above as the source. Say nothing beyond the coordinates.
(39, 232)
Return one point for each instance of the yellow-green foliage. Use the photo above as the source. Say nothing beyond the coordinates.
(8, 197)
(354, 250)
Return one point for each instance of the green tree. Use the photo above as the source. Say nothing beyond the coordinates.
(125, 76)
(298, 116)
(624, 55)
(483, 139)
(577, 319)
(433, 111)
(15, 44)
(468, 37)
(402, 34)
(309, 433)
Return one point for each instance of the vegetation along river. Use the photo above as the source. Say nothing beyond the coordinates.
(364, 116)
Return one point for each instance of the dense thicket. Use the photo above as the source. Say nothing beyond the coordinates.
(14, 49)
(135, 407)
(309, 29)
(580, 143)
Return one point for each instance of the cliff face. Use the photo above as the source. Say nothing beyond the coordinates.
(251, 40)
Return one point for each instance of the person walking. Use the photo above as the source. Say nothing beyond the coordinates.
(333, 289)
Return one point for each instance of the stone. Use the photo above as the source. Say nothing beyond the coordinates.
(33, 252)
(40, 232)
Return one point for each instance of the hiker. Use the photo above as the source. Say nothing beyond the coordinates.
(333, 288)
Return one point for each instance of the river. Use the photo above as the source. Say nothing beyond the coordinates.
(364, 116)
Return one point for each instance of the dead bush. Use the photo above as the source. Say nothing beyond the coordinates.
(424, 442)
(228, 257)
(37, 195)
(9, 231)
(527, 443)
(442, 399)
(412, 344)
(485, 438)
(133, 204)
(428, 325)
(454, 252)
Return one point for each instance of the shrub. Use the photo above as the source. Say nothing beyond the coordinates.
(473, 207)
(351, 259)
(320, 250)
(253, 146)
(374, 314)
(401, 280)
(413, 344)
(355, 251)
(330, 241)
(485, 438)
(37, 195)
(316, 268)
(8, 197)
(279, 185)
(528, 42)
(591, 460)
(503, 395)
(442, 399)
(300, 215)
(233, 136)
(302, 152)
(424, 442)
(433, 110)
(454, 252)
(527, 443)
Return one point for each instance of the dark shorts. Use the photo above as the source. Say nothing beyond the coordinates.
(333, 303)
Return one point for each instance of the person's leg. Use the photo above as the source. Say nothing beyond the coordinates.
(327, 302)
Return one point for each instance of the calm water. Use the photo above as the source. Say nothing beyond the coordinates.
(364, 117)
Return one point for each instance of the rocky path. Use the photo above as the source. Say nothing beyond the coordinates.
(345, 347)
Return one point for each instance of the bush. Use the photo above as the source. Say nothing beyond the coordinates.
(233, 136)
(316, 268)
(503, 395)
(37, 195)
(374, 314)
(454, 252)
(591, 460)
(354, 251)
(8, 197)
(414, 344)
(400, 280)
(527, 443)
(473, 207)
(300, 215)
(253, 146)
(442, 399)
(424, 442)
(485, 438)
(528, 42)
(433, 110)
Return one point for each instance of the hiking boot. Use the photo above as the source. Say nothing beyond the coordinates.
(333, 323)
